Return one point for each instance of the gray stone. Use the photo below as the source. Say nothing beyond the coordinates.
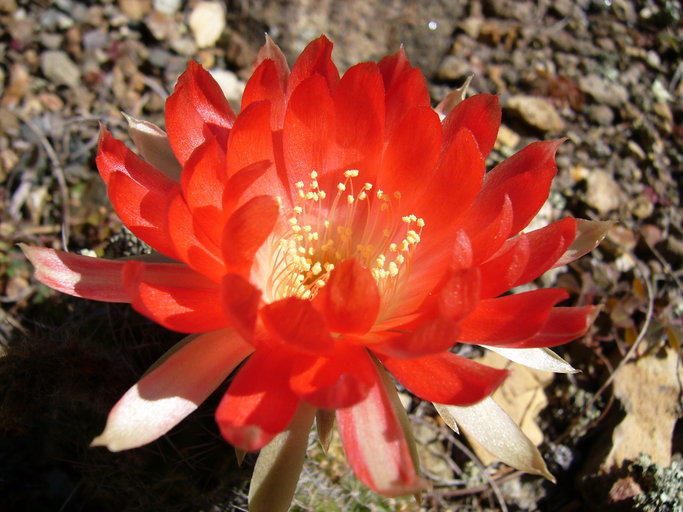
(537, 112)
(601, 114)
(453, 68)
(602, 91)
(602, 192)
(59, 68)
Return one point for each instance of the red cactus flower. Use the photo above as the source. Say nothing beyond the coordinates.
(336, 229)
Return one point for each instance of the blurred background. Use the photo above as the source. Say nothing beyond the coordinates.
(605, 74)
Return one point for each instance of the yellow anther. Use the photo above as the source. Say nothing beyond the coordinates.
(299, 184)
(420, 223)
(351, 173)
(350, 199)
(341, 187)
(362, 195)
(314, 175)
(397, 194)
(393, 269)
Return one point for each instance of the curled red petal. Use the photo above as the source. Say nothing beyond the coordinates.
(197, 104)
(488, 226)
(446, 378)
(316, 59)
(259, 404)
(481, 115)
(340, 380)
(203, 182)
(454, 185)
(251, 141)
(511, 318)
(80, 276)
(526, 257)
(563, 325)
(350, 300)
(428, 338)
(247, 229)
(525, 178)
(240, 300)
(139, 192)
(174, 296)
(298, 324)
(192, 244)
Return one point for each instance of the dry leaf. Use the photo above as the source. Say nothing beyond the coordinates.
(649, 390)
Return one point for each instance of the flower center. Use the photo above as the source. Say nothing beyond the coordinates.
(323, 230)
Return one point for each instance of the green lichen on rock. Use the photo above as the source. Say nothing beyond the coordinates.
(662, 487)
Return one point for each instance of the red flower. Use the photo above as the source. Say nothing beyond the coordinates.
(338, 227)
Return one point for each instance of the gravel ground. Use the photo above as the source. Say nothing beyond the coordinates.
(607, 75)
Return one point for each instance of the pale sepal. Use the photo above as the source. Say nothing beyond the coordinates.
(589, 234)
(376, 446)
(80, 276)
(494, 430)
(542, 359)
(152, 143)
(173, 389)
(279, 464)
(452, 99)
(324, 425)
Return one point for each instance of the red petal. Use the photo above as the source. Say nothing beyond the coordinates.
(526, 257)
(203, 182)
(316, 59)
(409, 90)
(258, 404)
(308, 134)
(454, 185)
(488, 226)
(376, 446)
(264, 86)
(563, 325)
(298, 324)
(350, 299)
(192, 244)
(405, 87)
(251, 141)
(174, 296)
(197, 104)
(429, 338)
(359, 113)
(80, 276)
(459, 296)
(525, 177)
(341, 380)
(446, 378)
(394, 66)
(241, 301)
(246, 231)
(481, 115)
(411, 153)
(139, 193)
(511, 318)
